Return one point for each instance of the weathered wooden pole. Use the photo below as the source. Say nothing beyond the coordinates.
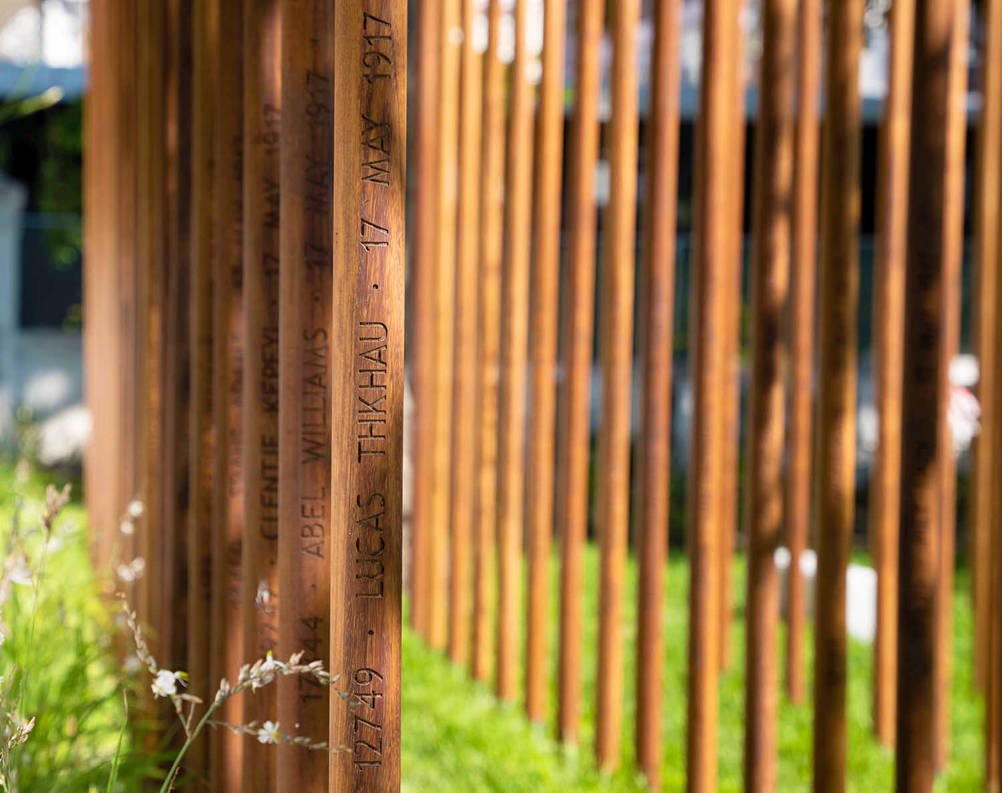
(773, 237)
(712, 248)
(306, 398)
(368, 385)
(953, 252)
(888, 323)
(489, 346)
(835, 475)
(922, 439)
(201, 469)
(226, 632)
(262, 101)
(656, 322)
(616, 354)
(986, 208)
(514, 349)
(544, 310)
(801, 331)
(574, 438)
(464, 388)
(443, 339)
(422, 339)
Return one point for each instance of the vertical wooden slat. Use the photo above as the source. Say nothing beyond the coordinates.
(656, 324)
(993, 666)
(616, 352)
(464, 395)
(797, 507)
(370, 45)
(443, 317)
(953, 252)
(922, 440)
(201, 468)
(888, 315)
(514, 347)
(226, 632)
(711, 249)
(262, 100)
(422, 280)
(545, 300)
(835, 476)
(576, 359)
(489, 336)
(305, 542)
(176, 402)
(987, 198)
(773, 236)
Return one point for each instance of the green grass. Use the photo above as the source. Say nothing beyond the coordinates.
(58, 653)
(456, 737)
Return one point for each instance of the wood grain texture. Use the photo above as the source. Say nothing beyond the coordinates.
(514, 351)
(771, 254)
(889, 280)
(986, 208)
(489, 349)
(464, 387)
(306, 397)
(612, 460)
(835, 474)
(953, 253)
(544, 312)
(262, 99)
(574, 438)
(656, 319)
(922, 447)
(201, 469)
(712, 247)
(422, 287)
(226, 614)
(370, 85)
(801, 331)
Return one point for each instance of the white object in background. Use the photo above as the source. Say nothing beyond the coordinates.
(860, 592)
(61, 439)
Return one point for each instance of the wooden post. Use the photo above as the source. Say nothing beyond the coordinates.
(368, 378)
(986, 209)
(656, 324)
(262, 100)
(514, 347)
(616, 351)
(545, 297)
(953, 252)
(888, 324)
(573, 449)
(464, 387)
(712, 246)
(922, 439)
(305, 541)
(440, 455)
(226, 632)
(797, 505)
(422, 337)
(773, 237)
(835, 476)
(201, 469)
(488, 337)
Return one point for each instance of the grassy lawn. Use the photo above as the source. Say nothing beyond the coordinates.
(457, 738)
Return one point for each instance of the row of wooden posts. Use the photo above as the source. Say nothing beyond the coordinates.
(244, 293)
(503, 283)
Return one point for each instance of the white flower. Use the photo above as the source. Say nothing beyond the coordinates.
(135, 508)
(18, 571)
(268, 733)
(263, 596)
(133, 570)
(127, 527)
(165, 683)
